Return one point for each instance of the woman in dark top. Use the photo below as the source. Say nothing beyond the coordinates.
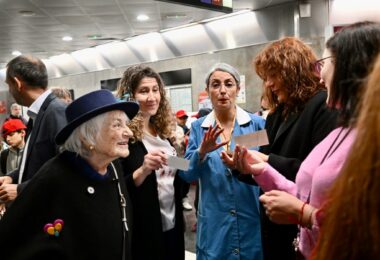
(75, 207)
(298, 121)
(153, 185)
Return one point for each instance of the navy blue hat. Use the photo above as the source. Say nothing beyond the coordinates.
(91, 105)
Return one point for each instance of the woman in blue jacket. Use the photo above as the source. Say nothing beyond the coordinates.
(228, 210)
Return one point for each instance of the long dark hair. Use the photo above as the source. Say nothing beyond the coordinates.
(351, 224)
(354, 49)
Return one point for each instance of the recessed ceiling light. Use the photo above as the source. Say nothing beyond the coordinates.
(67, 38)
(142, 17)
(16, 53)
(27, 13)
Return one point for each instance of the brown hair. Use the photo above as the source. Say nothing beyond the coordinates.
(351, 225)
(293, 62)
(127, 88)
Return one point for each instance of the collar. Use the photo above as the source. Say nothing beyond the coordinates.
(37, 104)
(242, 118)
(85, 168)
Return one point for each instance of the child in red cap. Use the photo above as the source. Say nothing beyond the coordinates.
(13, 132)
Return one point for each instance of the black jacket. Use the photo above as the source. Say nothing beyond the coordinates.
(41, 148)
(147, 240)
(92, 221)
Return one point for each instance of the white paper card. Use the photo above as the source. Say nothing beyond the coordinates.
(178, 163)
(259, 138)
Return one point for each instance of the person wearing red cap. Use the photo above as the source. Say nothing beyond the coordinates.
(182, 119)
(13, 132)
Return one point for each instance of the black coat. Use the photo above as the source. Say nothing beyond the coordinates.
(147, 240)
(290, 143)
(60, 190)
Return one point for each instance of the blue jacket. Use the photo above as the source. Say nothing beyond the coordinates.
(228, 212)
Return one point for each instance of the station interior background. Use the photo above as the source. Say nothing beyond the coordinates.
(107, 38)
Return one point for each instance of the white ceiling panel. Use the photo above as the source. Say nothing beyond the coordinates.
(118, 54)
(150, 47)
(53, 3)
(64, 11)
(39, 31)
(102, 9)
(183, 39)
(97, 62)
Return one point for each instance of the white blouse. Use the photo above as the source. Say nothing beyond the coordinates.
(165, 180)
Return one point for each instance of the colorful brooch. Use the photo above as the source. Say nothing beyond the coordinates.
(55, 228)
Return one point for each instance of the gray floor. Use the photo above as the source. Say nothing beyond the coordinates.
(190, 219)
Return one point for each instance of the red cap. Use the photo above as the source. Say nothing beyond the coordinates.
(12, 125)
(181, 113)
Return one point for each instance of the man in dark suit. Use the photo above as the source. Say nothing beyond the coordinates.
(28, 80)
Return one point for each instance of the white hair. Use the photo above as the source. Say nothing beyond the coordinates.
(15, 105)
(85, 135)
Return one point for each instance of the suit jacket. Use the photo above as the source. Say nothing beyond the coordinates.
(147, 242)
(291, 141)
(90, 208)
(50, 120)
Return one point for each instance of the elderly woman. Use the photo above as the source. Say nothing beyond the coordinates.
(154, 187)
(228, 210)
(75, 207)
(288, 202)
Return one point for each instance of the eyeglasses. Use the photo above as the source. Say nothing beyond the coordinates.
(318, 65)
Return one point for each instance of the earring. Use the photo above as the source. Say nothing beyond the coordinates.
(91, 147)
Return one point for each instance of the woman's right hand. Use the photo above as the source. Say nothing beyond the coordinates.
(209, 143)
(152, 161)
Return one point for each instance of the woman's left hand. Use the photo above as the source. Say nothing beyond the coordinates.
(281, 207)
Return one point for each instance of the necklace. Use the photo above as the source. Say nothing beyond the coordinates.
(227, 147)
(123, 206)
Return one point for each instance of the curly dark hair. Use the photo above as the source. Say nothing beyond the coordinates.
(293, 62)
(127, 86)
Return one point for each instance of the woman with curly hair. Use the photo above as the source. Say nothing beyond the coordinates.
(286, 201)
(298, 120)
(154, 187)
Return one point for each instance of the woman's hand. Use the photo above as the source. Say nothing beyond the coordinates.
(281, 207)
(152, 161)
(228, 160)
(209, 143)
(248, 161)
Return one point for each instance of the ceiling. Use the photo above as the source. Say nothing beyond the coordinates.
(37, 26)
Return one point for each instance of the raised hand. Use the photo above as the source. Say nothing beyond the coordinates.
(209, 143)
